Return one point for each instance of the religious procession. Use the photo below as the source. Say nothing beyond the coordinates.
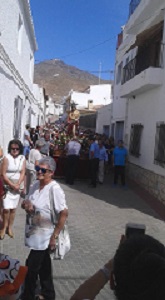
(82, 150)
(28, 174)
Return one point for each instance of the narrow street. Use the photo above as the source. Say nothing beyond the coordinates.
(97, 218)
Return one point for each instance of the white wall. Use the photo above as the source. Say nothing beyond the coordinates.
(16, 67)
(103, 118)
(100, 94)
(40, 108)
(10, 11)
(54, 108)
(147, 109)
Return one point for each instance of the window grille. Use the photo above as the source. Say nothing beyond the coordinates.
(135, 139)
(159, 155)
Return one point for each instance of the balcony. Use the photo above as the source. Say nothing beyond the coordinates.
(145, 70)
(148, 11)
(144, 81)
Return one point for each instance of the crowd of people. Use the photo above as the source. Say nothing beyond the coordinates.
(19, 166)
(136, 272)
(27, 173)
(101, 152)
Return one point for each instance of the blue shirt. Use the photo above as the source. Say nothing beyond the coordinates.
(94, 147)
(119, 155)
(103, 154)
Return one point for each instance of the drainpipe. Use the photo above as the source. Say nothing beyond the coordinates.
(126, 123)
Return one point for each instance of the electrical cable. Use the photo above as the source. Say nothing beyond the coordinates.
(80, 51)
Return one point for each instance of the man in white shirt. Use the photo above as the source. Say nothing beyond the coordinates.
(45, 149)
(34, 157)
(72, 152)
(27, 141)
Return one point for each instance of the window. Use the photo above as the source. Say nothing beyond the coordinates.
(119, 73)
(159, 155)
(135, 139)
(18, 111)
(119, 130)
(106, 130)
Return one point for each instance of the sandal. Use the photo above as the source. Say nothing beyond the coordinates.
(10, 233)
(2, 235)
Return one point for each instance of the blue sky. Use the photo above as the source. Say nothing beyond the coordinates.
(82, 33)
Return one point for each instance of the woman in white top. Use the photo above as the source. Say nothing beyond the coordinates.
(40, 234)
(13, 172)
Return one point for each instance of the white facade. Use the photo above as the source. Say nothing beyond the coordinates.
(17, 47)
(39, 110)
(120, 105)
(103, 120)
(141, 87)
(53, 110)
(95, 95)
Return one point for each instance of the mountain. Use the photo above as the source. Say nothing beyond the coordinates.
(59, 78)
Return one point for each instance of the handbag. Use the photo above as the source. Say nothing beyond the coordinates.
(63, 243)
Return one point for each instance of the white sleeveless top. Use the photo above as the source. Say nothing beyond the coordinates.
(14, 166)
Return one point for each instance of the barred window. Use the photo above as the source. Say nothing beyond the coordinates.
(159, 155)
(135, 139)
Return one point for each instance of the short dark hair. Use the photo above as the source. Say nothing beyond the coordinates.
(27, 126)
(16, 142)
(139, 269)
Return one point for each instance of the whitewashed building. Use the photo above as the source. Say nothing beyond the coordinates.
(38, 118)
(103, 120)
(94, 95)
(139, 94)
(18, 104)
(53, 111)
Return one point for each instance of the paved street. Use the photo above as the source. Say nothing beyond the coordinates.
(97, 218)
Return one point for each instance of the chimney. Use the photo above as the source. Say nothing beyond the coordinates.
(90, 104)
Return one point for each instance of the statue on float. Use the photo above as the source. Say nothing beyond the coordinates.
(73, 120)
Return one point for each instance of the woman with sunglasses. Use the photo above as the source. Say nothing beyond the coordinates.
(13, 173)
(40, 234)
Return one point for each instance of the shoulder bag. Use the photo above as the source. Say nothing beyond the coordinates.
(63, 244)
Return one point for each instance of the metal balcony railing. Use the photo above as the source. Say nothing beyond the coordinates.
(146, 58)
(129, 71)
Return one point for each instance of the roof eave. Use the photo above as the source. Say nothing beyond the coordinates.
(26, 4)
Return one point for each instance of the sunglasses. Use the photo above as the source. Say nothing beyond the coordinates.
(15, 149)
(43, 170)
